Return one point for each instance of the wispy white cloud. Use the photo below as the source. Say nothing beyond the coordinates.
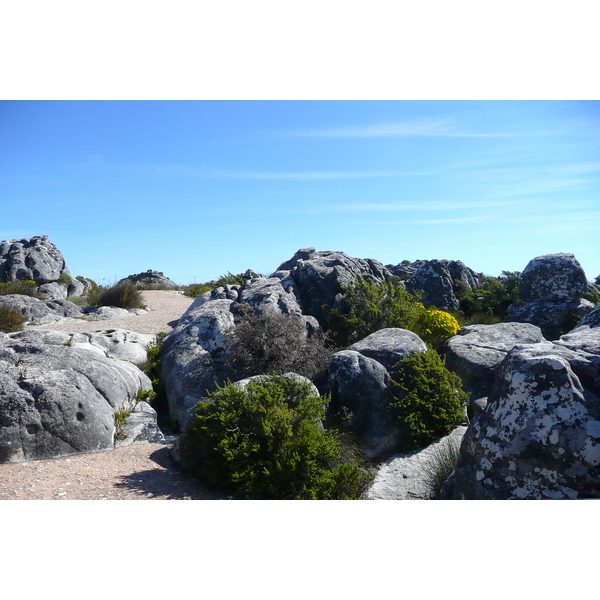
(410, 128)
(91, 161)
(201, 172)
(436, 205)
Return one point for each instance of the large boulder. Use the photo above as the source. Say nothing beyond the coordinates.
(405, 269)
(477, 350)
(53, 291)
(390, 345)
(539, 436)
(36, 259)
(321, 276)
(360, 400)
(271, 293)
(151, 279)
(553, 278)
(551, 292)
(591, 320)
(41, 312)
(57, 400)
(436, 282)
(195, 356)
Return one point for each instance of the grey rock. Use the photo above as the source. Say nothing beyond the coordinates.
(360, 397)
(591, 320)
(78, 288)
(151, 279)
(405, 476)
(434, 281)
(195, 356)
(34, 258)
(57, 400)
(53, 291)
(553, 278)
(539, 436)
(103, 313)
(390, 345)
(548, 314)
(140, 427)
(320, 277)
(41, 312)
(477, 350)
(272, 294)
(243, 383)
(405, 269)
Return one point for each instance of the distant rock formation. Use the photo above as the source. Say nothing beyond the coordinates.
(551, 291)
(36, 259)
(151, 279)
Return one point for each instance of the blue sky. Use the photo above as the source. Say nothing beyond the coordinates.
(199, 188)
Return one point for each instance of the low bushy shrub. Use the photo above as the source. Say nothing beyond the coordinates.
(195, 290)
(10, 320)
(24, 288)
(369, 307)
(494, 296)
(266, 442)
(428, 399)
(123, 295)
(274, 343)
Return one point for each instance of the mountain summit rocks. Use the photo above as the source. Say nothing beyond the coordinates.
(36, 259)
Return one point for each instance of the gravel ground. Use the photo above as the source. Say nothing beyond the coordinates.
(137, 472)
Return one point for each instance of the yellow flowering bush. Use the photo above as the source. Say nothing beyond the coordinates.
(436, 326)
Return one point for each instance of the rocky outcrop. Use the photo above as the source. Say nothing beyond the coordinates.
(195, 356)
(477, 350)
(435, 281)
(405, 269)
(151, 280)
(359, 380)
(41, 312)
(390, 345)
(551, 291)
(591, 320)
(58, 399)
(539, 436)
(36, 259)
(140, 427)
(320, 277)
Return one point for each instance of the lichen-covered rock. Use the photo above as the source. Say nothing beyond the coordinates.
(477, 350)
(405, 269)
(271, 293)
(195, 356)
(553, 278)
(57, 400)
(360, 399)
(41, 312)
(321, 276)
(36, 259)
(435, 280)
(550, 316)
(591, 320)
(151, 279)
(539, 436)
(388, 346)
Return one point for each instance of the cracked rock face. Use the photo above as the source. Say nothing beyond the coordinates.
(553, 278)
(57, 400)
(34, 258)
(539, 436)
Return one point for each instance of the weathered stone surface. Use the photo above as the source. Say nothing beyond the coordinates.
(271, 293)
(41, 312)
(34, 258)
(539, 436)
(53, 291)
(195, 356)
(79, 288)
(553, 278)
(243, 383)
(405, 476)
(477, 350)
(434, 280)
(388, 346)
(140, 427)
(591, 320)
(549, 315)
(57, 400)
(360, 398)
(320, 277)
(405, 269)
(151, 279)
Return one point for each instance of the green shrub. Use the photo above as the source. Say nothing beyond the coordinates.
(66, 279)
(266, 442)
(494, 296)
(95, 286)
(10, 320)
(123, 295)
(369, 307)
(24, 288)
(196, 289)
(428, 399)
(120, 419)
